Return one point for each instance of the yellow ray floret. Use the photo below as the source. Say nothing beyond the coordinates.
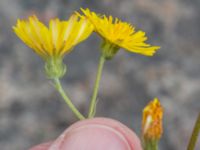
(57, 39)
(152, 120)
(120, 33)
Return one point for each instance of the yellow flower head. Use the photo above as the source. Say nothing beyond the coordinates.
(152, 120)
(57, 39)
(53, 42)
(120, 34)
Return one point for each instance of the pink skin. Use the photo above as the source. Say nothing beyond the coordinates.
(94, 134)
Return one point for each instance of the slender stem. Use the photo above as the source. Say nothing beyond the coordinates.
(195, 134)
(92, 108)
(149, 144)
(67, 100)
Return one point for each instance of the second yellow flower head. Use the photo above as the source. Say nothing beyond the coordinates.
(117, 34)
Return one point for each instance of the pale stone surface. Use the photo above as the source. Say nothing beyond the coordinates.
(32, 112)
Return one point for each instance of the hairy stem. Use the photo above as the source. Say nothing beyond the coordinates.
(59, 87)
(92, 108)
(195, 134)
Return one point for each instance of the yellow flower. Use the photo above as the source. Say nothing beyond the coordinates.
(119, 34)
(57, 39)
(152, 120)
(53, 42)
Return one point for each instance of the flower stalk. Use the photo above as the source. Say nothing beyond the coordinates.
(195, 134)
(150, 145)
(92, 109)
(59, 88)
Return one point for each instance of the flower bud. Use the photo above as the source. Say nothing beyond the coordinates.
(152, 127)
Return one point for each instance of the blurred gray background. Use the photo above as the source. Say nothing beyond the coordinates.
(31, 111)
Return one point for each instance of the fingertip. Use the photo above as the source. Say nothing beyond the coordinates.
(44, 146)
(98, 134)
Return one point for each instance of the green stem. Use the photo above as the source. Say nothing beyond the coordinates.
(92, 108)
(149, 144)
(67, 100)
(195, 134)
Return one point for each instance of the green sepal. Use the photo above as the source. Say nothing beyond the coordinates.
(55, 68)
(109, 49)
